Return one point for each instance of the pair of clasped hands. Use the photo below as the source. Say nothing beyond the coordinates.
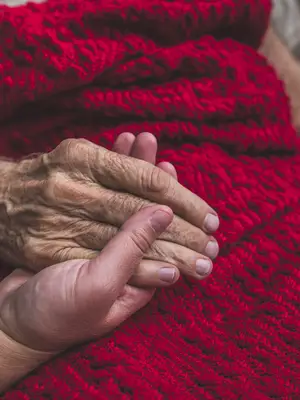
(84, 227)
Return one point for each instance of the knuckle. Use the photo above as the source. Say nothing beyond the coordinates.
(173, 255)
(71, 149)
(53, 186)
(187, 235)
(141, 241)
(65, 147)
(112, 162)
(126, 204)
(106, 166)
(195, 242)
(156, 180)
(161, 252)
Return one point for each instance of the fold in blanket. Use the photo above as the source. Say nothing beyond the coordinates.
(188, 71)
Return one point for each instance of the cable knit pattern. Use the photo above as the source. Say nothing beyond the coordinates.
(188, 71)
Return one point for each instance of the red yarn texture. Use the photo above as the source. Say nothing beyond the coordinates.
(188, 71)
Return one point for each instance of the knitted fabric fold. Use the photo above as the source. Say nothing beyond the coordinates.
(189, 72)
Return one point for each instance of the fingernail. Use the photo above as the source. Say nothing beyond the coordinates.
(203, 267)
(211, 222)
(167, 274)
(212, 249)
(161, 219)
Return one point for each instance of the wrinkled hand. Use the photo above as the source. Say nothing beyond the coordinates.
(79, 300)
(69, 203)
(144, 147)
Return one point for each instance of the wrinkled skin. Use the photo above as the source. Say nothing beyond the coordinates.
(78, 300)
(69, 203)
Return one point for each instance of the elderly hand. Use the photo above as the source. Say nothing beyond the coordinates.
(69, 203)
(73, 302)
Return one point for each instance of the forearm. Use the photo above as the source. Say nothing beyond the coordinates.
(287, 69)
(16, 361)
(278, 55)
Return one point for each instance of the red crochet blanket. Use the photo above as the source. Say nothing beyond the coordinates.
(188, 71)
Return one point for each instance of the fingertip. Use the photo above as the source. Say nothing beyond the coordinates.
(145, 147)
(168, 275)
(204, 268)
(126, 136)
(168, 168)
(124, 143)
(147, 136)
(211, 222)
(154, 274)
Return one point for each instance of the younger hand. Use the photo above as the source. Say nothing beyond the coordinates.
(78, 300)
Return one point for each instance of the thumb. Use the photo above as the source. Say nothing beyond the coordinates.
(114, 266)
(13, 281)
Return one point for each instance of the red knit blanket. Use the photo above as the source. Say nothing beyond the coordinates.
(188, 71)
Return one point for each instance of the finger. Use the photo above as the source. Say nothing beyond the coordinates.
(95, 203)
(145, 147)
(124, 143)
(185, 258)
(161, 254)
(131, 301)
(154, 274)
(149, 273)
(168, 168)
(115, 265)
(95, 235)
(123, 173)
(188, 262)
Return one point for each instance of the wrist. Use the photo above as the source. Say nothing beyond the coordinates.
(7, 169)
(8, 177)
(17, 360)
(278, 55)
